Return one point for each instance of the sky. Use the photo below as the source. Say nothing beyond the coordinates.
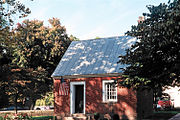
(88, 19)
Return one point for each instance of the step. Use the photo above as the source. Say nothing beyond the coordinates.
(68, 118)
(79, 116)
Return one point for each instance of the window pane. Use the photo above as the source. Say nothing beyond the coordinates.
(110, 91)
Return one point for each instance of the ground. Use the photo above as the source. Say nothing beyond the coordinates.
(42, 115)
(163, 115)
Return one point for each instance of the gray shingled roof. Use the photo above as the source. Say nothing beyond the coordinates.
(93, 57)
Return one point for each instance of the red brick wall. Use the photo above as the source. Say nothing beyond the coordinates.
(125, 106)
(61, 102)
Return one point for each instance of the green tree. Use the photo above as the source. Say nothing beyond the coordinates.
(35, 47)
(8, 10)
(4, 72)
(154, 60)
(25, 83)
(73, 38)
(47, 100)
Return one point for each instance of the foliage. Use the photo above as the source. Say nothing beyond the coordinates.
(47, 100)
(40, 46)
(4, 71)
(35, 52)
(73, 38)
(28, 54)
(5, 46)
(154, 60)
(24, 83)
(97, 37)
(9, 8)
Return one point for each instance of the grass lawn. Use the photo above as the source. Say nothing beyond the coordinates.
(44, 118)
(38, 118)
(162, 115)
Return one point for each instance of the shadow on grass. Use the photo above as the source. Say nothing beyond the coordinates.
(44, 118)
(37, 118)
(163, 115)
(160, 116)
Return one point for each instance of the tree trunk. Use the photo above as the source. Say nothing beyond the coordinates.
(32, 104)
(16, 101)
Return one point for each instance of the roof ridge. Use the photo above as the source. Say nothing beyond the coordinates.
(110, 37)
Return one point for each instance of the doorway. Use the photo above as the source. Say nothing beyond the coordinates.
(77, 96)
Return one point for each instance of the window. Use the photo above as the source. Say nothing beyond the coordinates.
(109, 91)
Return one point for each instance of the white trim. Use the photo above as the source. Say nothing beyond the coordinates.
(72, 95)
(104, 94)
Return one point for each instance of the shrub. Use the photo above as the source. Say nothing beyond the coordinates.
(96, 116)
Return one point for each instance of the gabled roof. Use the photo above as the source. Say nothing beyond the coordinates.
(95, 57)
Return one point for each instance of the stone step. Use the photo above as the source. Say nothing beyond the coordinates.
(79, 116)
(74, 118)
(68, 118)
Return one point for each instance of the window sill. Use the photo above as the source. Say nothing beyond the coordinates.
(109, 101)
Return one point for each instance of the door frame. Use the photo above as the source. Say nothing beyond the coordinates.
(72, 96)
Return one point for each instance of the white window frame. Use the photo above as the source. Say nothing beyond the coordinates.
(104, 92)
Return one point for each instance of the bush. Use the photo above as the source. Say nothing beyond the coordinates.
(116, 117)
(96, 116)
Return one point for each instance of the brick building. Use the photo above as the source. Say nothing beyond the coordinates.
(84, 81)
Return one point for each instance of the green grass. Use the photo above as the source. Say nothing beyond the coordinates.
(44, 118)
(1, 118)
(162, 115)
(168, 112)
(38, 118)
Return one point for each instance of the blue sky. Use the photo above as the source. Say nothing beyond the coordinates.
(87, 19)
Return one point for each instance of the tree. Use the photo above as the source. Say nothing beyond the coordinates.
(4, 71)
(47, 100)
(154, 60)
(8, 10)
(24, 83)
(36, 46)
(73, 38)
